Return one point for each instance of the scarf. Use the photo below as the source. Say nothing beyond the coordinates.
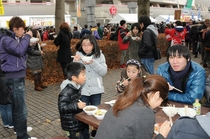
(179, 77)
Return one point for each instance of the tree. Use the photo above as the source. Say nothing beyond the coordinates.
(143, 7)
(59, 14)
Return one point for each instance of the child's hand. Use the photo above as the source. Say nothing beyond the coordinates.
(125, 82)
(170, 87)
(91, 61)
(128, 34)
(165, 128)
(81, 105)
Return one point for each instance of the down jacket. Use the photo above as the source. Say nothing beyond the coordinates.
(195, 84)
(68, 108)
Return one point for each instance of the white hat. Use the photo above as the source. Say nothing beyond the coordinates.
(204, 121)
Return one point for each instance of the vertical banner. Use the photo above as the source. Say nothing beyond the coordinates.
(78, 8)
(188, 4)
(1, 8)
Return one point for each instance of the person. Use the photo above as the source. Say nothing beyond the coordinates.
(96, 68)
(206, 37)
(132, 116)
(63, 40)
(149, 41)
(121, 33)
(184, 74)
(201, 41)
(76, 33)
(167, 34)
(178, 34)
(35, 62)
(69, 103)
(191, 128)
(13, 47)
(133, 37)
(94, 31)
(84, 31)
(100, 31)
(133, 70)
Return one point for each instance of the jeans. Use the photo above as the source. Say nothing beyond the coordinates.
(123, 57)
(6, 114)
(92, 100)
(149, 64)
(19, 110)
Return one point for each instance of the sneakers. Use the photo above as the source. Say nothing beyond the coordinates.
(32, 138)
(28, 130)
(7, 126)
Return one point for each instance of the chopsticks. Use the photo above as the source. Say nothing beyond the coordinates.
(177, 89)
(79, 100)
(124, 80)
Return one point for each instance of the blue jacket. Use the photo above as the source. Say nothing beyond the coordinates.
(13, 53)
(194, 87)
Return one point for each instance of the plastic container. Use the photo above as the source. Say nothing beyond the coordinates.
(197, 107)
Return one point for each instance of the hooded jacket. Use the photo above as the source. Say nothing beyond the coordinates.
(195, 84)
(148, 42)
(178, 35)
(67, 106)
(13, 53)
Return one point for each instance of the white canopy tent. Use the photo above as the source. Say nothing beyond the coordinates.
(129, 18)
(164, 18)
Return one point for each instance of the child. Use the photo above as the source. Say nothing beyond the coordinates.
(96, 68)
(133, 37)
(35, 62)
(69, 103)
(133, 69)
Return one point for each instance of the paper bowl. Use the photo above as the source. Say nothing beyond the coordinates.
(112, 102)
(86, 58)
(133, 38)
(90, 109)
(100, 113)
(170, 111)
(34, 40)
(192, 112)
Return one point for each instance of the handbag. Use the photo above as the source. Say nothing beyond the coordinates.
(5, 93)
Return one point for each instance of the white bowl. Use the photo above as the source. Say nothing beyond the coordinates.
(133, 38)
(100, 113)
(192, 112)
(34, 40)
(90, 109)
(170, 111)
(112, 102)
(86, 58)
(43, 44)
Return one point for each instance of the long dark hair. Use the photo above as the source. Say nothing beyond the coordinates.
(96, 48)
(139, 88)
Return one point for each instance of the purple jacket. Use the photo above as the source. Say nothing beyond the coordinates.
(13, 53)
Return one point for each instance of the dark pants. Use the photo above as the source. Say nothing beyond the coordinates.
(63, 66)
(84, 134)
(19, 110)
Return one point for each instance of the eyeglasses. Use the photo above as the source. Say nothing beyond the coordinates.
(89, 44)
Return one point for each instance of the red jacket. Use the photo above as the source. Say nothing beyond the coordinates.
(167, 34)
(178, 35)
(121, 34)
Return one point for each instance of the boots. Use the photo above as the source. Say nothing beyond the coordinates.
(40, 81)
(36, 83)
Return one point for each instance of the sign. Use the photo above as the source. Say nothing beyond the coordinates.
(113, 10)
(1, 8)
(78, 8)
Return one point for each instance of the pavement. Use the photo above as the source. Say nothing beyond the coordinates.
(42, 108)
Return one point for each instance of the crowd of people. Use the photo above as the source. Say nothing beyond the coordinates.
(139, 89)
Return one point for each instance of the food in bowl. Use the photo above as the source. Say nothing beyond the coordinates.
(99, 114)
(182, 112)
(86, 58)
(34, 40)
(90, 109)
(157, 128)
(170, 111)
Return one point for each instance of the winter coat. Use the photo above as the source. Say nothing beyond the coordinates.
(132, 52)
(193, 34)
(135, 122)
(94, 73)
(149, 39)
(187, 128)
(35, 59)
(121, 31)
(207, 39)
(64, 52)
(195, 84)
(13, 53)
(167, 34)
(178, 35)
(201, 27)
(84, 31)
(68, 108)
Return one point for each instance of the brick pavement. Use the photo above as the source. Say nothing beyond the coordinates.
(43, 114)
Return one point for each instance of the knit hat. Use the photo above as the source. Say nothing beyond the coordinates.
(204, 121)
(133, 62)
